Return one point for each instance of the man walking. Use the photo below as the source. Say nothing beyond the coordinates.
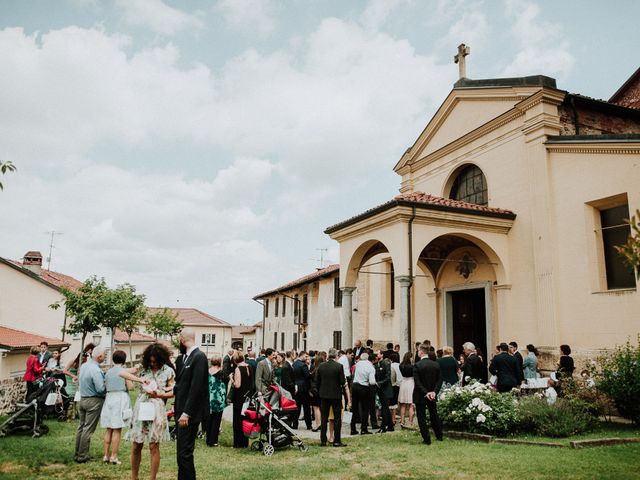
(507, 368)
(329, 383)
(427, 380)
(302, 378)
(364, 381)
(92, 393)
(191, 402)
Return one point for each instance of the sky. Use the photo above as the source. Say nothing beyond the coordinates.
(198, 149)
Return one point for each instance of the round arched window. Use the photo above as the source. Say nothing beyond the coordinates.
(470, 186)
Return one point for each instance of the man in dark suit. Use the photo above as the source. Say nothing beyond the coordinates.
(302, 379)
(191, 401)
(287, 373)
(358, 350)
(227, 366)
(384, 389)
(507, 369)
(473, 367)
(513, 350)
(329, 383)
(427, 383)
(45, 354)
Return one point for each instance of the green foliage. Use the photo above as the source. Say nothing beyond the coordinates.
(620, 379)
(4, 168)
(630, 251)
(564, 418)
(478, 408)
(163, 322)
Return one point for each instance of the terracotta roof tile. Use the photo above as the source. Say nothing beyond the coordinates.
(193, 317)
(54, 278)
(421, 197)
(326, 271)
(13, 339)
(122, 337)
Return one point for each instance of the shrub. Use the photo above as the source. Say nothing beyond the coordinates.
(478, 408)
(564, 418)
(620, 379)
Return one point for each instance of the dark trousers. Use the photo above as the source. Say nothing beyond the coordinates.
(302, 400)
(185, 443)
(239, 440)
(385, 413)
(372, 408)
(421, 413)
(505, 388)
(213, 428)
(360, 404)
(32, 387)
(336, 405)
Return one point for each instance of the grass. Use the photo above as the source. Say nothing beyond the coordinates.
(389, 456)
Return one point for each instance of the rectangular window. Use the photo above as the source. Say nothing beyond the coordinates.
(305, 310)
(296, 309)
(275, 340)
(295, 340)
(266, 308)
(282, 336)
(337, 339)
(337, 293)
(392, 289)
(615, 232)
(208, 339)
(284, 306)
(277, 305)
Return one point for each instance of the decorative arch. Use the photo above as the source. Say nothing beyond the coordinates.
(364, 252)
(467, 183)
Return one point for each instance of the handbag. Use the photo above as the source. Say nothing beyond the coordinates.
(52, 399)
(77, 397)
(146, 411)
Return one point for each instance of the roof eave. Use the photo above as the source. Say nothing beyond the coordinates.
(29, 273)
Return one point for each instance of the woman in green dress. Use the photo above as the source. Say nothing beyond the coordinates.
(217, 401)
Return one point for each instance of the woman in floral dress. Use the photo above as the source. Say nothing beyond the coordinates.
(217, 401)
(153, 395)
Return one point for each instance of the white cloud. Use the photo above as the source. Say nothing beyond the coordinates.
(250, 16)
(377, 12)
(542, 46)
(157, 16)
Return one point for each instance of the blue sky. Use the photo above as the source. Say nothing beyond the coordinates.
(198, 149)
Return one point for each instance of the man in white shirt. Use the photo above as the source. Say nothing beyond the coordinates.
(362, 387)
(345, 358)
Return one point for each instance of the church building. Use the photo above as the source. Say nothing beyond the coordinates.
(511, 201)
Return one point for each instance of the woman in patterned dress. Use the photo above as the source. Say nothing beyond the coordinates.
(217, 401)
(157, 370)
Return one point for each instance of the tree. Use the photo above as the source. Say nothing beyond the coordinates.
(123, 309)
(85, 306)
(630, 251)
(6, 167)
(163, 322)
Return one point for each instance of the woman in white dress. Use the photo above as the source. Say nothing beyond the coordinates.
(116, 410)
(405, 395)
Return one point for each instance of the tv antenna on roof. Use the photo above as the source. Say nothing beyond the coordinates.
(321, 259)
(53, 233)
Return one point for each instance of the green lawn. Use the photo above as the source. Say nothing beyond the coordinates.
(388, 456)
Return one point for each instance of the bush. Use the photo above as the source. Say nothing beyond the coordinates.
(478, 408)
(564, 418)
(620, 379)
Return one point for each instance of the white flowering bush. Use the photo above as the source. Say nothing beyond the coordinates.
(478, 408)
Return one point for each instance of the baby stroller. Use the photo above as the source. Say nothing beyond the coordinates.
(53, 399)
(268, 421)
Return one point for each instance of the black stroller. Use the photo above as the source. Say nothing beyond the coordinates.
(49, 400)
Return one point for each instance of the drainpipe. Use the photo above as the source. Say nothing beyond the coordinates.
(263, 320)
(410, 234)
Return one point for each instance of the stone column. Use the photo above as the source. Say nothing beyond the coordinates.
(347, 317)
(405, 284)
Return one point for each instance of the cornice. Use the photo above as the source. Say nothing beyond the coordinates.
(591, 148)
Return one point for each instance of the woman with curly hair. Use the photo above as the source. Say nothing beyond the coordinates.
(149, 423)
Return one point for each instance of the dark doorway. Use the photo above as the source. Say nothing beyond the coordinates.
(469, 319)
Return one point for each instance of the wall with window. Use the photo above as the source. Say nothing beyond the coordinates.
(213, 340)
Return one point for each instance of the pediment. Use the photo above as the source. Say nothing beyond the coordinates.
(464, 110)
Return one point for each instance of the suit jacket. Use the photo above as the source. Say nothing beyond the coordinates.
(227, 367)
(358, 351)
(383, 377)
(45, 360)
(301, 376)
(264, 376)
(507, 368)
(192, 387)
(287, 378)
(518, 357)
(253, 364)
(329, 380)
(427, 378)
(473, 368)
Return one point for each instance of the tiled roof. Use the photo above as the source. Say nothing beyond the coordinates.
(122, 337)
(13, 339)
(323, 272)
(55, 279)
(193, 317)
(425, 200)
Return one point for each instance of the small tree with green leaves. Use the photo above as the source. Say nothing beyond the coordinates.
(123, 309)
(164, 322)
(630, 251)
(4, 168)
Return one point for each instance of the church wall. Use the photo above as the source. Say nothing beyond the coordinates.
(590, 316)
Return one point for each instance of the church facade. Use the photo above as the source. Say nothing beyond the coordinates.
(511, 202)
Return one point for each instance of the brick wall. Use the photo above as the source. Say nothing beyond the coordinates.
(12, 390)
(631, 96)
(591, 122)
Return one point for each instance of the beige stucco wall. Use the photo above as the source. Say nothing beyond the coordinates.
(223, 339)
(13, 364)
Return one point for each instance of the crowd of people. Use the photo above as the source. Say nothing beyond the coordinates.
(381, 389)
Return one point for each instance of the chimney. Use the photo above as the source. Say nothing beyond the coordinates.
(33, 261)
